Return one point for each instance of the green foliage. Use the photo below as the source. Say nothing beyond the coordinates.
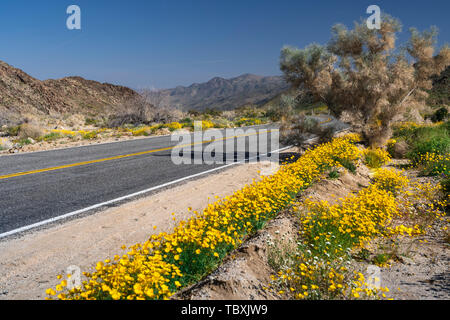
(381, 259)
(51, 137)
(424, 139)
(440, 115)
(13, 131)
(91, 121)
(440, 93)
(24, 142)
(347, 164)
(333, 174)
(90, 135)
(435, 144)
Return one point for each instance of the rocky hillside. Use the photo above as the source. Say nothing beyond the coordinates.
(22, 95)
(222, 94)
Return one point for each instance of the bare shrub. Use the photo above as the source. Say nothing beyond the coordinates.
(28, 130)
(166, 115)
(134, 111)
(295, 130)
(282, 110)
(230, 115)
(299, 128)
(161, 111)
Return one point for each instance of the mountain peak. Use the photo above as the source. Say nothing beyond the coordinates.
(225, 94)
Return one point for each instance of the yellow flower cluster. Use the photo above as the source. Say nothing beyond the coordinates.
(167, 262)
(206, 124)
(83, 133)
(142, 131)
(329, 233)
(317, 279)
(174, 126)
(390, 180)
(375, 158)
(358, 219)
(434, 163)
(248, 122)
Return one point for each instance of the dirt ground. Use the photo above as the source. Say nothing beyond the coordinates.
(29, 264)
(424, 270)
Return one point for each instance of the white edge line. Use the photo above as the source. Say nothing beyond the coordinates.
(99, 205)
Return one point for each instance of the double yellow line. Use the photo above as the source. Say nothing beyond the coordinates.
(18, 174)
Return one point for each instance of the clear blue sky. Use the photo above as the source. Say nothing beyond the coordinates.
(165, 43)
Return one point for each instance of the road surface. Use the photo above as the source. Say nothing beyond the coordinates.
(43, 187)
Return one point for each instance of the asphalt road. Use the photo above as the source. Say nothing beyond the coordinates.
(36, 187)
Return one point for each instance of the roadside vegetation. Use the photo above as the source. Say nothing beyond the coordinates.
(131, 124)
(167, 262)
(331, 237)
(357, 76)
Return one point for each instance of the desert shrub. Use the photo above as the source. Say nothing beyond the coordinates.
(194, 113)
(333, 174)
(28, 130)
(325, 133)
(440, 115)
(12, 131)
(274, 113)
(296, 130)
(284, 109)
(166, 115)
(91, 121)
(134, 111)
(361, 73)
(249, 111)
(186, 120)
(212, 112)
(345, 163)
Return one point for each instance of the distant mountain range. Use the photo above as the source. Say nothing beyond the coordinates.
(22, 95)
(221, 94)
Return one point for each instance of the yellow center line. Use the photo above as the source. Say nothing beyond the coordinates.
(18, 174)
(326, 121)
